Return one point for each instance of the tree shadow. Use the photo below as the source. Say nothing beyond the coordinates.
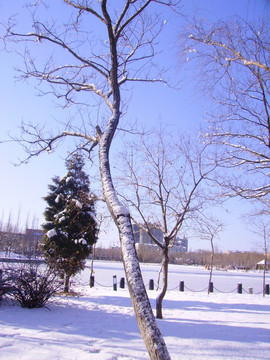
(191, 305)
(215, 328)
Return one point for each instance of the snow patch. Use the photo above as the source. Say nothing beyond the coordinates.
(77, 203)
(93, 216)
(68, 179)
(121, 210)
(57, 199)
(51, 233)
(82, 241)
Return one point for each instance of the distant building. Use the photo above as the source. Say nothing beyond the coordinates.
(261, 264)
(228, 252)
(33, 238)
(141, 237)
(180, 245)
(21, 243)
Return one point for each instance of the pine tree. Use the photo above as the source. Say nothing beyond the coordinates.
(70, 226)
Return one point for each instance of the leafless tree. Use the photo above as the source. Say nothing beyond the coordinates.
(11, 235)
(234, 57)
(260, 227)
(97, 48)
(208, 228)
(163, 186)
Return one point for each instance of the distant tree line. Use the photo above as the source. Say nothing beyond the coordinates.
(235, 260)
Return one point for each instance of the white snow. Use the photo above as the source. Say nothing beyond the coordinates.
(93, 216)
(57, 199)
(121, 210)
(51, 233)
(99, 324)
(64, 233)
(77, 203)
(68, 179)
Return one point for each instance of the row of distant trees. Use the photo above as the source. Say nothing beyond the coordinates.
(147, 254)
(107, 48)
(13, 237)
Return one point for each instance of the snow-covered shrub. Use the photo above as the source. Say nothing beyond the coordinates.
(5, 284)
(33, 285)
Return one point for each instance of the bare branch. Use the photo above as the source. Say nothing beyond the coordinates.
(119, 51)
(235, 58)
(84, 8)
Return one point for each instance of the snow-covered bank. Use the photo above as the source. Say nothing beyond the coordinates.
(99, 324)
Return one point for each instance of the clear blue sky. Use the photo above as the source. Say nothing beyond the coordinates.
(22, 188)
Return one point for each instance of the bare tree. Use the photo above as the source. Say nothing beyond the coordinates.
(261, 228)
(99, 47)
(208, 228)
(164, 189)
(11, 235)
(234, 57)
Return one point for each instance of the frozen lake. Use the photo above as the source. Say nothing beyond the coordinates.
(99, 323)
(195, 278)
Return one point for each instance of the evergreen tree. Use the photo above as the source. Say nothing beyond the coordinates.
(70, 226)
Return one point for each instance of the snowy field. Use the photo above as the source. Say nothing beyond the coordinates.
(99, 323)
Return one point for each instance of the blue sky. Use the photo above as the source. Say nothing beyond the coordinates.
(22, 188)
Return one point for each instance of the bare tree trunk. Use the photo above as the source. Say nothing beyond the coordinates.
(92, 261)
(264, 269)
(146, 321)
(66, 283)
(211, 263)
(164, 265)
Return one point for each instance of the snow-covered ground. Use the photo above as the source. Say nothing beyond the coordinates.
(100, 324)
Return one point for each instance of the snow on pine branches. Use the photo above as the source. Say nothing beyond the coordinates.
(70, 227)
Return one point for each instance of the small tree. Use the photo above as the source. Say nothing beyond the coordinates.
(260, 227)
(70, 225)
(163, 186)
(208, 230)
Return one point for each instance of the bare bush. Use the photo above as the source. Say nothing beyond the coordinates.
(32, 285)
(4, 284)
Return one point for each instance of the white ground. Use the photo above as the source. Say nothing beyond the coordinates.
(100, 324)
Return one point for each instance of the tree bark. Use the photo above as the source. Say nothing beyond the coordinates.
(66, 284)
(144, 315)
(264, 269)
(211, 264)
(164, 265)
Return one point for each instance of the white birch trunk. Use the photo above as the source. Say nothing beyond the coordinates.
(144, 315)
